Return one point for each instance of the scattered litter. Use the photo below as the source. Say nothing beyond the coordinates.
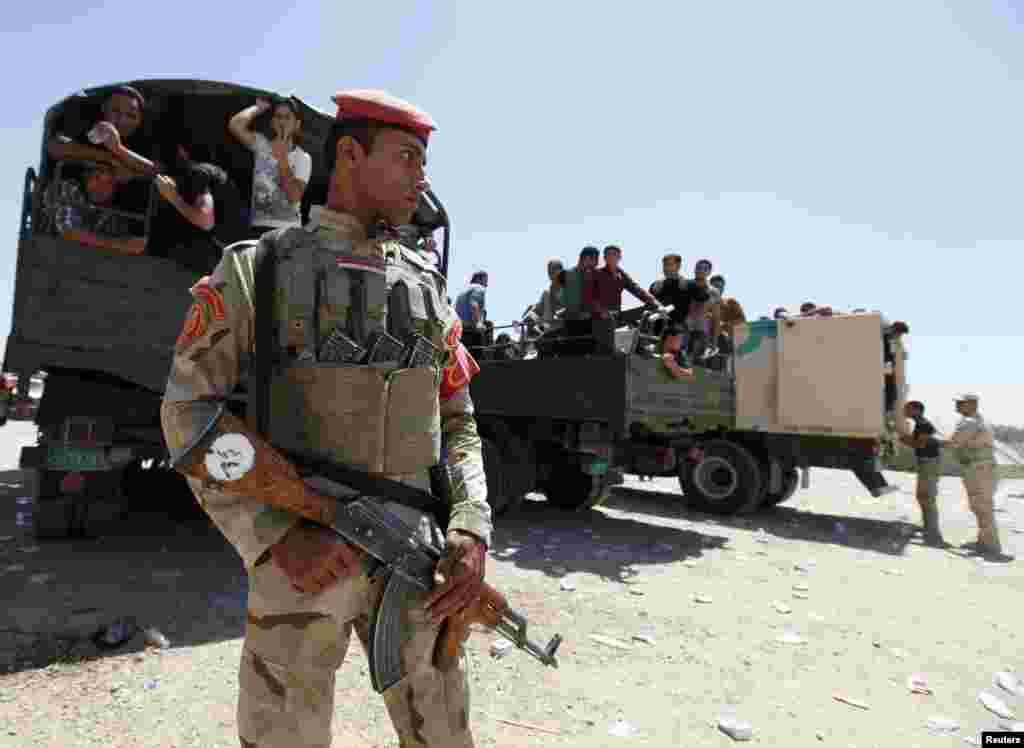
(149, 685)
(1008, 682)
(995, 705)
(805, 566)
(567, 585)
(942, 724)
(1012, 726)
(801, 587)
(852, 702)
(790, 637)
(893, 572)
(735, 728)
(635, 591)
(156, 639)
(703, 599)
(116, 633)
(621, 729)
(610, 642)
(801, 596)
(501, 647)
(690, 562)
(782, 608)
(527, 726)
(40, 578)
(918, 684)
(645, 635)
(29, 549)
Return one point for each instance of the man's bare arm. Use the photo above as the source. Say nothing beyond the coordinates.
(62, 148)
(133, 246)
(293, 188)
(240, 125)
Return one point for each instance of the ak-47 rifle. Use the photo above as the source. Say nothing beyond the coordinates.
(393, 551)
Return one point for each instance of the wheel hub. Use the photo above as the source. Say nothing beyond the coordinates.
(716, 478)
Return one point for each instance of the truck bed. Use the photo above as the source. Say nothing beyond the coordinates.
(615, 390)
(84, 309)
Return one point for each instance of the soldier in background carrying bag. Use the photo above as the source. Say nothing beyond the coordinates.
(357, 363)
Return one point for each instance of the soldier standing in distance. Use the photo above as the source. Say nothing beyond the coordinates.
(307, 590)
(973, 442)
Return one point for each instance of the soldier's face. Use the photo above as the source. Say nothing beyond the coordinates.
(670, 267)
(124, 113)
(392, 176)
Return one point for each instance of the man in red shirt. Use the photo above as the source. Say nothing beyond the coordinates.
(602, 295)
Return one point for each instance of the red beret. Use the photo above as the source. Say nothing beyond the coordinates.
(381, 106)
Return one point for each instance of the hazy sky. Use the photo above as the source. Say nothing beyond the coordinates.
(863, 155)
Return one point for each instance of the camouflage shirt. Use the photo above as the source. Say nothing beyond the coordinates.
(214, 352)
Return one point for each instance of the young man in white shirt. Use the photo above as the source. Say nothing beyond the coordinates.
(281, 169)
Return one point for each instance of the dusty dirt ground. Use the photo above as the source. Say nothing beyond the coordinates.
(709, 599)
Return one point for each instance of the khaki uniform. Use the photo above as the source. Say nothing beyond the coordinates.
(294, 642)
(974, 443)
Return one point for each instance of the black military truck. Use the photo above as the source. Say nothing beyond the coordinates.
(103, 325)
(794, 394)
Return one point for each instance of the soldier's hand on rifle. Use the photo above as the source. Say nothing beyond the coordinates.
(458, 576)
(314, 558)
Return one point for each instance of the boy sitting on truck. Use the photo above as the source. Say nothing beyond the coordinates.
(673, 357)
(83, 213)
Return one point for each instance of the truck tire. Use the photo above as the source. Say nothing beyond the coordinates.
(54, 515)
(727, 481)
(518, 464)
(497, 477)
(790, 482)
(571, 488)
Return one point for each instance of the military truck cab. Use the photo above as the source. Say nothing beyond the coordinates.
(103, 325)
(795, 394)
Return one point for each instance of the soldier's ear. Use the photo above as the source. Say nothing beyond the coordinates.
(349, 151)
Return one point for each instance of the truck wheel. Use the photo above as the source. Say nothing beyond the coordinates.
(497, 477)
(727, 481)
(790, 481)
(518, 463)
(54, 514)
(571, 488)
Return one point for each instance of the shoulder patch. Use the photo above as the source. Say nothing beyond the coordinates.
(207, 308)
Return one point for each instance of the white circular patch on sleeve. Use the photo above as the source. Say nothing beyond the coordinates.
(230, 457)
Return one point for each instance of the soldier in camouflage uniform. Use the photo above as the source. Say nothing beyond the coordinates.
(307, 589)
(973, 443)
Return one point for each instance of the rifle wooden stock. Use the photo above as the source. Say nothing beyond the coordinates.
(487, 609)
(272, 479)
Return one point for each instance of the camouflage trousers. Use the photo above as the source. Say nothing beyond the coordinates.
(980, 482)
(294, 643)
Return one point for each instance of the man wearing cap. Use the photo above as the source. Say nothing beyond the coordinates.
(973, 443)
(308, 590)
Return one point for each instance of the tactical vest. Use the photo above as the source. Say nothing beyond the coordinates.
(377, 417)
